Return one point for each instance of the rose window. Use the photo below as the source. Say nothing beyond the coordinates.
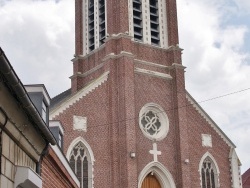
(153, 122)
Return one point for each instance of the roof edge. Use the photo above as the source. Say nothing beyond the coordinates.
(209, 120)
(15, 83)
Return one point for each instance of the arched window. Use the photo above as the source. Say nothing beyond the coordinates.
(209, 172)
(81, 161)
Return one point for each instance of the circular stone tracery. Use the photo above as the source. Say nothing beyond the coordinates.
(150, 123)
(153, 122)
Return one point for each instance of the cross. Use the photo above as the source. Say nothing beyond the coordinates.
(155, 152)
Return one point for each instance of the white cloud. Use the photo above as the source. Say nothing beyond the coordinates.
(38, 38)
(217, 64)
(244, 5)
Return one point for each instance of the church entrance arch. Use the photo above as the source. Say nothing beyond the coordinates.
(155, 175)
(150, 181)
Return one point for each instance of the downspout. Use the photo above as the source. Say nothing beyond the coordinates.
(43, 154)
(2, 125)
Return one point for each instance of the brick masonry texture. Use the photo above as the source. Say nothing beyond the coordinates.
(54, 174)
(112, 109)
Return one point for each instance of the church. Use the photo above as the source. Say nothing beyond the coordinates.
(128, 120)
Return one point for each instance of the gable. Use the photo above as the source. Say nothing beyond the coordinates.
(209, 120)
(65, 103)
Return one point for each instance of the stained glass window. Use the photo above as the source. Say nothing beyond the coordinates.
(78, 161)
(208, 174)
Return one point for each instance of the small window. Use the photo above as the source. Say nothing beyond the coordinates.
(44, 112)
(60, 140)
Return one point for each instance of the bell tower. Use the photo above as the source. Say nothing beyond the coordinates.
(133, 24)
(135, 44)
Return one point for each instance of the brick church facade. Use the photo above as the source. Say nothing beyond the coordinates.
(128, 120)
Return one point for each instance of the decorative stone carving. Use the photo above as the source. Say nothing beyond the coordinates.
(155, 152)
(206, 140)
(80, 123)
(153, 122)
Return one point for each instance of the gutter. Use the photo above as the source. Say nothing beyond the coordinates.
(16, 85)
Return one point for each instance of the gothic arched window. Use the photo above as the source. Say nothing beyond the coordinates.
(80, 163)
(209, 176)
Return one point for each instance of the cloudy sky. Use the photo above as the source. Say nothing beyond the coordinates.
(38, 38)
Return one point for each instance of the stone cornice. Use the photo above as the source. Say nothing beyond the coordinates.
(174, 48)
(177, 66)
(153, 73)
(150, 64)
(77, 57)
(116, 56)
(118, 36)
(79, 74)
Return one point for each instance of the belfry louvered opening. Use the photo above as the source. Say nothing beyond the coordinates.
(102, 29)
(91, 25)
(154, 22)
(137, 19)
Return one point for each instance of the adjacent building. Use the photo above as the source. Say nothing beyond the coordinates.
(24, 134)
(30, 154)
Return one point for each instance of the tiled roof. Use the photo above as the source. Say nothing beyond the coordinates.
(59, 98)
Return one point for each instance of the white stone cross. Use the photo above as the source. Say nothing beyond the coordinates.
(155, 152)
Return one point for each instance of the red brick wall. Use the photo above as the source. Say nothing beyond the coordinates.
(246, 179)
(54, 174)
(219, 150)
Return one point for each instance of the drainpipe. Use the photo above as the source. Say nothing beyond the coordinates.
(2, 125)
(43, 154)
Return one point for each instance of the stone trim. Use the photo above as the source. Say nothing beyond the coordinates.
(118, 36)
(207, 154)
(65, 163)
(153, 73)
(26, 177)
(77, 57)
(177, 66)
(151, 64)
(90, 155)
(209, 120)
(80, 94)
(235, 170)
(160, 171)
(79, 74)
(116, 56)
(162, 117)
